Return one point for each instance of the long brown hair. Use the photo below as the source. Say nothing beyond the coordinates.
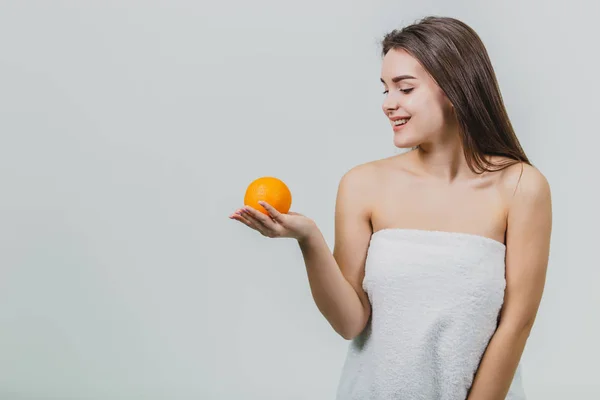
(454, 55)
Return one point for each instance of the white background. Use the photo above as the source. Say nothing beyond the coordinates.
(130, 130)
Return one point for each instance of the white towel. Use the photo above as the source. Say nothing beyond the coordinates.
(435, 298)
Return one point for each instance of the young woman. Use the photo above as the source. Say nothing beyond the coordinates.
(441, 252)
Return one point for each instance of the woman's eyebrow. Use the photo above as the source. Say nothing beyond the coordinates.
(399, 78)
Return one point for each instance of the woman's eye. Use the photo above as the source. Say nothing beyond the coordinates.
(405, 91)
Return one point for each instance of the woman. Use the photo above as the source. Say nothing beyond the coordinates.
(441, 252)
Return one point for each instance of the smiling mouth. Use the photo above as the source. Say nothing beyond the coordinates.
(400, 123)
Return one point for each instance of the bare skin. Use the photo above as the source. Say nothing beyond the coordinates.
(429, 188)
(408, 198)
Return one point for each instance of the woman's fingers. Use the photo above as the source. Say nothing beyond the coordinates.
(246, 220)
(253, 223)
(239, 217)
(258, 221)
(260, 217)
(276, 215)
(248, 216)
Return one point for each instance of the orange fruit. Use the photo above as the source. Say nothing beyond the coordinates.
(270, 190)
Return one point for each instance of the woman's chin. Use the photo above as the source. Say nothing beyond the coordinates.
(402, 143)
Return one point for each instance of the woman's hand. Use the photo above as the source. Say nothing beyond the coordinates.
(276, 224)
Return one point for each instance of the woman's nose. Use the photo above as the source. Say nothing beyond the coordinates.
(390, 103)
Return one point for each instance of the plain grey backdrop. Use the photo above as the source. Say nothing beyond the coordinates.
(130, 130)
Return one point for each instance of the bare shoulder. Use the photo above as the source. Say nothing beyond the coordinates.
(524, 182)
(380, 168)
(367, 175)
(354, 195)
(364, 183)
(360, 175)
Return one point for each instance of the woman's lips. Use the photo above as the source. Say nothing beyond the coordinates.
(396, 128)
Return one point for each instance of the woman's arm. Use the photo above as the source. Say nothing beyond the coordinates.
(336, 279)
(528, 246)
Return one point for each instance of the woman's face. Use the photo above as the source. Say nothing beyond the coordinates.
(411, 92)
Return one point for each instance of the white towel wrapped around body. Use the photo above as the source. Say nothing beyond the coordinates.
(436, 298)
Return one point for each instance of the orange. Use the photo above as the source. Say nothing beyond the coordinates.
(270, 190)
